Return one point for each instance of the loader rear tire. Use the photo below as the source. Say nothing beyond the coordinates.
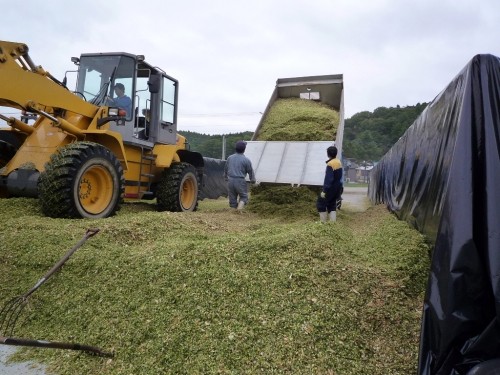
(9, 144)
(178, 189)
(7, 152)
(82, 180)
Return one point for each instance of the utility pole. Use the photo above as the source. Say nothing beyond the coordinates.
(223, 147)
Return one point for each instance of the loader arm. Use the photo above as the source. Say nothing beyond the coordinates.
(65, 118)
(22, 84)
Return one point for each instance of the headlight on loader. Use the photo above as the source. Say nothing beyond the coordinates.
(113, 111)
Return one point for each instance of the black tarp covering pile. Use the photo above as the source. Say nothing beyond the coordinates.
(214, 185)
(443, 176)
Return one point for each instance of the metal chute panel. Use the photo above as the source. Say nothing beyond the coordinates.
(295, 163)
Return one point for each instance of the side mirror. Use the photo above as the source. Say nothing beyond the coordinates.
(154, 84)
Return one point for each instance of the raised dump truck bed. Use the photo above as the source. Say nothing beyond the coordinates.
(276, 154)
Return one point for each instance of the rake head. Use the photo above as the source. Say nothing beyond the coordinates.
(10, 314)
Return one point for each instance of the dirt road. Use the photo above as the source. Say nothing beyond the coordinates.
(355, 199)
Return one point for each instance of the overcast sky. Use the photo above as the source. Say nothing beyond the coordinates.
(227, 55)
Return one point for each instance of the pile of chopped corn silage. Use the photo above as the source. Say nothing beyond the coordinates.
(293, 119)
(217, 291)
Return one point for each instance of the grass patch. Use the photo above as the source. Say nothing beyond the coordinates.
(216, 291)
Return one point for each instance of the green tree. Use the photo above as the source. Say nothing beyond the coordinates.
(368, 136)
(211, 145)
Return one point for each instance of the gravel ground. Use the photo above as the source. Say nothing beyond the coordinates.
(24, 368)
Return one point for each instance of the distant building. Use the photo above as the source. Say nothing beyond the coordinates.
(355, 172)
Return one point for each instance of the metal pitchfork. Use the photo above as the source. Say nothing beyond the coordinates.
(11, 311)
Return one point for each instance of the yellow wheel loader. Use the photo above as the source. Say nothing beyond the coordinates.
(112, 139)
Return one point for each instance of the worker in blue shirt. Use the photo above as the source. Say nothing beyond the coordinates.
(235, 171)
(332, 187)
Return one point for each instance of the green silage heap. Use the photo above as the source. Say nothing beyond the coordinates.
(292, 203)
(295, 119)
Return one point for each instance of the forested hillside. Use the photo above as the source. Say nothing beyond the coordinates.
(367, 135)
(211, 145)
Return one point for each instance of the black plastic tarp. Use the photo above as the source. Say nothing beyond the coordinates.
(214, 185)
(443, 176)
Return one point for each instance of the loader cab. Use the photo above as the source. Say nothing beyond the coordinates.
(146, 95)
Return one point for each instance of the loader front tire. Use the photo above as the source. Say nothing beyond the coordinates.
(178, 188)
(82, 180)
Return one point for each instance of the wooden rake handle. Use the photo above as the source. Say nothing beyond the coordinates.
(54, 345)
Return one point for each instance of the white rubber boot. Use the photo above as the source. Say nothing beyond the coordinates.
(323, 216)
(241, 205)
(333, 216)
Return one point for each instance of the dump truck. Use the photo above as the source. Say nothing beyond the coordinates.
(113, 139)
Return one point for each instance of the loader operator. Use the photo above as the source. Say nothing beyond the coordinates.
(235, 171)
(121, 100)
